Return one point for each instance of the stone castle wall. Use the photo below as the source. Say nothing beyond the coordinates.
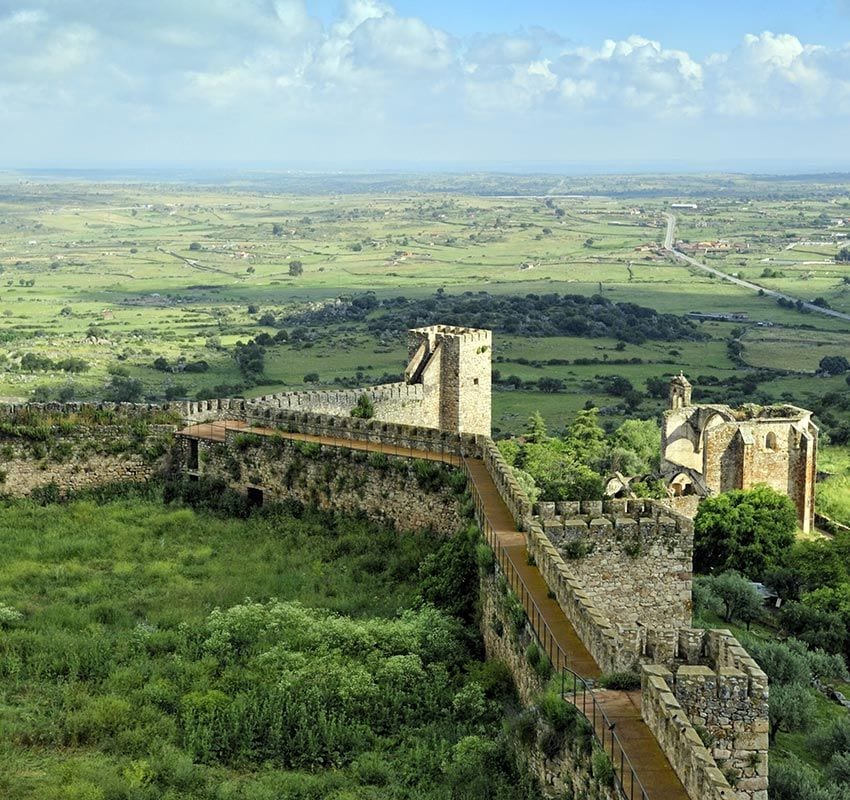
(566, 772)
(633, 558)
(408, 494)
(689, 757)
(80, 446)
(723, 694)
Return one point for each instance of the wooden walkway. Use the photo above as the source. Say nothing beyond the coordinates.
(655, 778)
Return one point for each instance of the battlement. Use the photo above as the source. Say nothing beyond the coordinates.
(690, 758)
(440, 332)
(633, 557)
(723, 691)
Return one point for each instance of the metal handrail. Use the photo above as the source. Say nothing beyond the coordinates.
(540, 629)
(624, 771)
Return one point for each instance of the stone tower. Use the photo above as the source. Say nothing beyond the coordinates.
(454, 367)
(708, 449)
(680, 392)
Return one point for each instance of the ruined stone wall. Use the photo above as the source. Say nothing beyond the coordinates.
(78, 446)
(740, 448)
(632, 558)
(408, 494)
(82, 458)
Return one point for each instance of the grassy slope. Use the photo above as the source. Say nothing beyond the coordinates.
(88, 708)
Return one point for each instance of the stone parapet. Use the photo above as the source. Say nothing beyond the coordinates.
(633, 557)
(679, 740)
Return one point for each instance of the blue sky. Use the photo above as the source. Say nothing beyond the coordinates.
(381, 83)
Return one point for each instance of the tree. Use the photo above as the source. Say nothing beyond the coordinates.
(277, 229)
(296, 268)
(535, 428)
(740, 598)
(448, 578)
(791, 708)
(843, 254)
(833, 365)
(250, 358)
(749, 530)
(585, 439)
(550, 385)
(195, 246)
(636, 447)
(175, 390)
(818, 629)
(311, 377)
(123, 389)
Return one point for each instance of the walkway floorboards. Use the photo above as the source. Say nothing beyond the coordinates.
(622, 708)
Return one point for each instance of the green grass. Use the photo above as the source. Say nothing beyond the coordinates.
(121, 681)
(105, 253)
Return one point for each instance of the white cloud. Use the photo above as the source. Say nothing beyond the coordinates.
(170, 61)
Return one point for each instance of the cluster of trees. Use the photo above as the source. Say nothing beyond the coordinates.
(753, 531)
(181, 365)
(843, 255)
(30, 362)
(833, 365)
(250, 358)
(537, 315)
(529, 315)
(746, 536)
(571, 466)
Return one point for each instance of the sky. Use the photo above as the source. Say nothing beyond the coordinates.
(368, 84)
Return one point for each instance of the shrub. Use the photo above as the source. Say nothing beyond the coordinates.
(559, 715)
(365, 408)
(621, 681)
(9, 616)
(601, 767)
(523, 727)
(539, 661)
(485, 558)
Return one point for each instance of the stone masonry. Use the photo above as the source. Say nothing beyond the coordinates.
(708, 449)
(634, 561)
(621, 572)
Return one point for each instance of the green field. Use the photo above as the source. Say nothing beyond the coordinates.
(116, 275)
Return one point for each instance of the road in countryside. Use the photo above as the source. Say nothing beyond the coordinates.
(669, 247)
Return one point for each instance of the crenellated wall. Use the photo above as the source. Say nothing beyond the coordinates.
(620, 571)
(689, 757)
(723, 694)
(633, 558)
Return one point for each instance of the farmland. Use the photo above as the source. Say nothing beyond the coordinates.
(101, 279)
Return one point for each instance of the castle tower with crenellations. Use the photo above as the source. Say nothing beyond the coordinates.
(453, 365)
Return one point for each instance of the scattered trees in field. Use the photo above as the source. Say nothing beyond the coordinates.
(833, 365)
(250, 358)
(30, 362)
